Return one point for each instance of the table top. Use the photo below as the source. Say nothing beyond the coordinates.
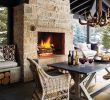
(82, 69)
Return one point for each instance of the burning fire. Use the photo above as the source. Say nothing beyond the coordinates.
(46, 44)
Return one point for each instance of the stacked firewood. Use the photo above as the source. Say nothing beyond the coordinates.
(45, 51)
(4, 78)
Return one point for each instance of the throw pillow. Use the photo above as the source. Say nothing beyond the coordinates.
(1, 56)
(9, 52)
(83, 46)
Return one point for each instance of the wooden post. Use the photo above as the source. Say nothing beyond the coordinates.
(10, 26)
(88, 33)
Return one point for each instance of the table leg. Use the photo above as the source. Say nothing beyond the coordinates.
(82, 83)
(107, 70)
(85, 86)
(76, 86)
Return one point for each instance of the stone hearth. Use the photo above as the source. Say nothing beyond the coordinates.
(40, 16)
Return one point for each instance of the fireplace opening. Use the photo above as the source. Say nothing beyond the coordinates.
(50, 44)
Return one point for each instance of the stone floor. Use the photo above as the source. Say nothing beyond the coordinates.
(23, 91)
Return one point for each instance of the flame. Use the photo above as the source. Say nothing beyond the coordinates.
(46, 44)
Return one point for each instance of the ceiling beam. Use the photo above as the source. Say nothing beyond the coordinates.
(10, 3)
(80, 5)
(93, 9)
(82, 9)
(104, 10)
(107, 2)
(73, 1)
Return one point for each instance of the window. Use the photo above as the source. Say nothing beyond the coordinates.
(95, 35)
(3, 25)
(101, 35)
(79, 32)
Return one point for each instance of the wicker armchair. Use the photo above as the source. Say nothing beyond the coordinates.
(49, 87)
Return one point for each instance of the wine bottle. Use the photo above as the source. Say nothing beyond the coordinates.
(69, 58)
(72, 58)
(97, 51)
(76, 58)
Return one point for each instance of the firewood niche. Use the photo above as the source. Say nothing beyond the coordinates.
(50, 44)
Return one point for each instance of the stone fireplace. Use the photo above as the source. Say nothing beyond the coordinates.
(42, 21)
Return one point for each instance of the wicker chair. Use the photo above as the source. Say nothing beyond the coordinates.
(49, 87)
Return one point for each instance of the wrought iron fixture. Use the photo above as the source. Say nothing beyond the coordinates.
(99, 19)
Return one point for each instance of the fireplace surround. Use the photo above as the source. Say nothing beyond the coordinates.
(48, 17)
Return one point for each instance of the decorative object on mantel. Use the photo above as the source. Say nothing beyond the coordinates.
(99, 19)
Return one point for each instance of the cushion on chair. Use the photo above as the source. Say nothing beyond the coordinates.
(89, 53)
(1, 56)
(94, 46)
(83, 46)
(8, 64)
(54, 73)
(86, 51)
(9, 52)
(1, 53)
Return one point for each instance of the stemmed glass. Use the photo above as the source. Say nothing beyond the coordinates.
(82, 60)
(90, 59)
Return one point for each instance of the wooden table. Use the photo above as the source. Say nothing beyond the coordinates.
(88, 71)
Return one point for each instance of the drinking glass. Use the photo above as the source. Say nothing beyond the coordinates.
(82, 61)
(90, 59)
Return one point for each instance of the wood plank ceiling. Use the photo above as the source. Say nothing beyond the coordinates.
(79, 7)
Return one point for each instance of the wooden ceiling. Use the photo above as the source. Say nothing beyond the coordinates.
(79, 7)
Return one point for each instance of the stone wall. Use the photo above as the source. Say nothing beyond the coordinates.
(43, 16)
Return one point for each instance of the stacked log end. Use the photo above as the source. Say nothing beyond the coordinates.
(4, 78)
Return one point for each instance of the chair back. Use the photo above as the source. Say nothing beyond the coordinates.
(40, 76)
(83, 46)
(34, 69)
(86, 51)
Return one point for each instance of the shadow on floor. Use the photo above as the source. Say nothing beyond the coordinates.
(23, 91)
(18, 91)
